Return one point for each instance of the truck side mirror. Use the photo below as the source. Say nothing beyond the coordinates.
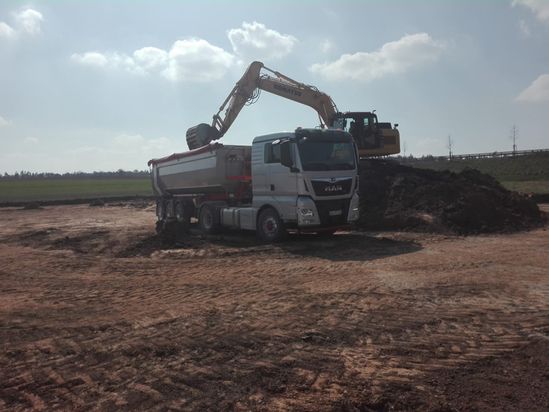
(285, 155)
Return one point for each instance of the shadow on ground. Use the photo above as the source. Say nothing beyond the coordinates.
(345, 246)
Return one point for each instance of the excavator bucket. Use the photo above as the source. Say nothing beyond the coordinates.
(201, 135)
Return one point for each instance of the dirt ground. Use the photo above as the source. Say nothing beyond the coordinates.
(96, 313)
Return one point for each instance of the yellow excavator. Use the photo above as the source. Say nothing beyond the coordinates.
(373, 138)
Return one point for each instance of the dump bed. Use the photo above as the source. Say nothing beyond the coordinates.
(214, 168)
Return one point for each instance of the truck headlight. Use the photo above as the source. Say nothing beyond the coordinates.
(307, 214)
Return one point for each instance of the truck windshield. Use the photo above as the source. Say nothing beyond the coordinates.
(326, 154)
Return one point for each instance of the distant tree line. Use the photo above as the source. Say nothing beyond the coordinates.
(486, 155)
(26, 175)
(409, 157)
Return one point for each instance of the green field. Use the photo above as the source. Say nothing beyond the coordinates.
(527, 174)
(528, 186)
(63, 189)
(533, 167)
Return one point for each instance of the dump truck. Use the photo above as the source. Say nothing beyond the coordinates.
(304, 181)
(373, 138)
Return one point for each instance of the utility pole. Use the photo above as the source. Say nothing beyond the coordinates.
(404, 148)
(450, 144)
(514, 133)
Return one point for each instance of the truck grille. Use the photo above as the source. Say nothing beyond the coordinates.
(324, 207)
(336, 188)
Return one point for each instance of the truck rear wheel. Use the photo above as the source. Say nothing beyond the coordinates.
(207, 220)
(270, 227)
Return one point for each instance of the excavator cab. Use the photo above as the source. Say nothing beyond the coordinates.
(372, 138)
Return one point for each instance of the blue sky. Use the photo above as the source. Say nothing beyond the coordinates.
(107, 85)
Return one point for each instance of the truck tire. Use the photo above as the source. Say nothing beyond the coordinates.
(270, 227)
(208, 221)
(159, 227)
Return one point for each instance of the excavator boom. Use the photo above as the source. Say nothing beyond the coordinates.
(247, 89)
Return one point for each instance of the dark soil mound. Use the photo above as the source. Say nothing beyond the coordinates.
(32, 206)
(400, 197)
(97, 203)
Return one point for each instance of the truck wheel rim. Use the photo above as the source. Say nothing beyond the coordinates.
(208, 220)
(270, 226)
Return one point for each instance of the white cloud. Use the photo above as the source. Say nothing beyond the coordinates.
(413, 50)
(108, 61)
(538, 91)
(254, 41)
(524, 28)
(196, 60)
(29, 21)
(150, 58)
(31, 140)
(539, 7)
(326, 46)
(124, 62)
(4, 122)
(193, 60)
(6, 31)
(95, 59)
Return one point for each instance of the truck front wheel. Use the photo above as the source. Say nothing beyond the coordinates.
(270, 227)
(207, 220)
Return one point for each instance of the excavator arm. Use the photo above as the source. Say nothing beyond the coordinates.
(247, 90)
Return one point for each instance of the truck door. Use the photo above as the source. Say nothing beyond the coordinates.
(281, 183)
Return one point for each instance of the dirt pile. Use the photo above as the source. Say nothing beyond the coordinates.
(394, 196)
